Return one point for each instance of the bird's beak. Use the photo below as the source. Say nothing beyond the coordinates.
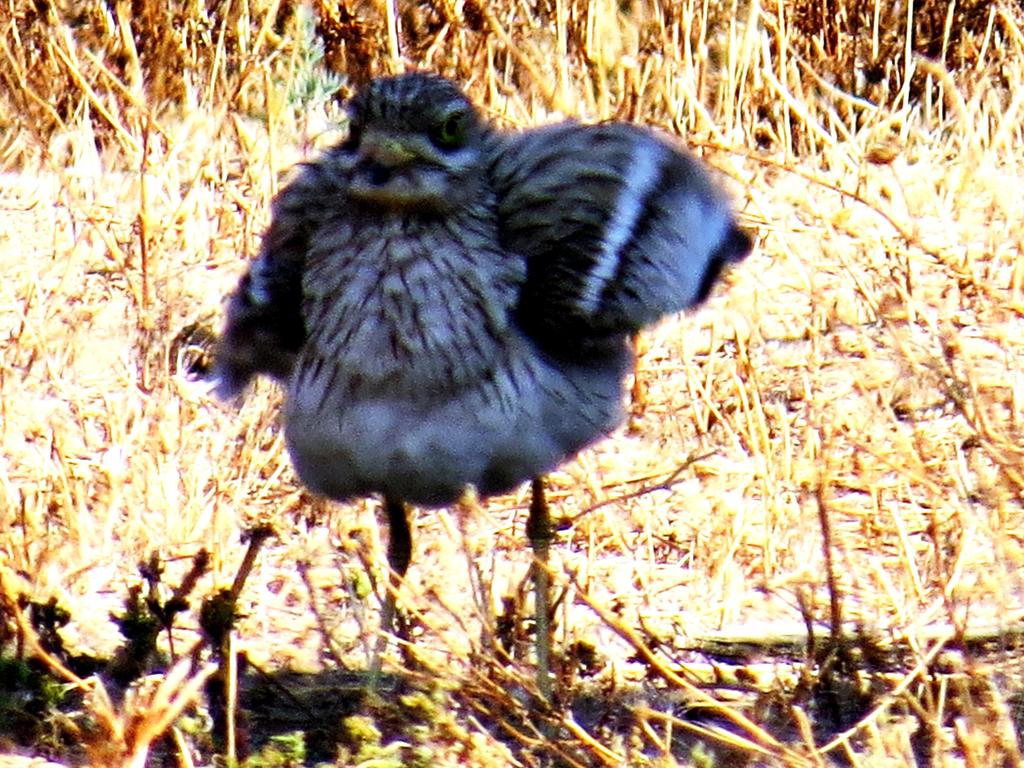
(386, 149)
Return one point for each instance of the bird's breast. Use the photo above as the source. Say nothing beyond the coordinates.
(415, 382)
(403, 305)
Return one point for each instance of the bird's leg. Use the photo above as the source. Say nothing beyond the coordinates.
(538, 531)
(638, 393)
(399, 554)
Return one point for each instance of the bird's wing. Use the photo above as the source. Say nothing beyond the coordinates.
(264, 329)
(618, 227)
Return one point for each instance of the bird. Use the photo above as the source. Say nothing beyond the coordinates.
(447, 304)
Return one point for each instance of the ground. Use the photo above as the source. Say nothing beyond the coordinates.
(833, 443)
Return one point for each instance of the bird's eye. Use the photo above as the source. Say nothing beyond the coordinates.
(451, 133)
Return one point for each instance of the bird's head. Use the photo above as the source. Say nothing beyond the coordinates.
(415, 141)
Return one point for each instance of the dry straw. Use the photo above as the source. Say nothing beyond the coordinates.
(806, 547)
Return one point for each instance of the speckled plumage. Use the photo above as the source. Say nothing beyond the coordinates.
(447, 305)
(415, 384)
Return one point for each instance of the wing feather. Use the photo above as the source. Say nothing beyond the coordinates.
(618, 227)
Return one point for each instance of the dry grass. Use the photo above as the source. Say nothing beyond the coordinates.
(834, 441)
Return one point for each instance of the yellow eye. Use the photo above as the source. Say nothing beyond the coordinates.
(450, 133)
